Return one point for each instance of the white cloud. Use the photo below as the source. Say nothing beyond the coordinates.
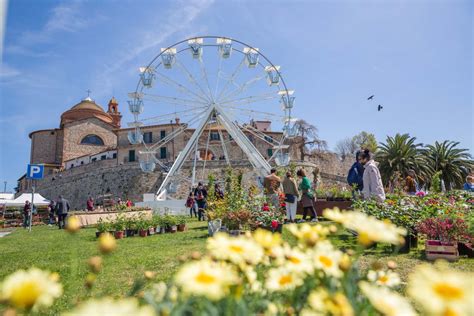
(182, 15)
(7, 72)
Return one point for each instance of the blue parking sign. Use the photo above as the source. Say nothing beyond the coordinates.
(35, 172)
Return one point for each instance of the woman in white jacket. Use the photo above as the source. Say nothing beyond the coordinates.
(373, 186)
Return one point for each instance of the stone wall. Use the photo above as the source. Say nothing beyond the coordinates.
(74, 132)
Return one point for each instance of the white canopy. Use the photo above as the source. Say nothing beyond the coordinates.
(20, 201)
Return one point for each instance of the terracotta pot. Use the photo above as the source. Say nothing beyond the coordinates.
(119, 234)
(143, 232)
(181, 227)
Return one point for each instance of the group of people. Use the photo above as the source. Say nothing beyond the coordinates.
(364, 177)
(59, 209)
(197, 200)
(302, 192)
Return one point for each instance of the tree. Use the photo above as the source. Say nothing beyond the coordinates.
(346, 148)
(366, 140)
(400, 154)
(307, 140)
(453, 163)
(349, 146)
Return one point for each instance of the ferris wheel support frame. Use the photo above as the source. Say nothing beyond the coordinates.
(256, 159)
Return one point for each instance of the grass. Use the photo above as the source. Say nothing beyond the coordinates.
(55, 250)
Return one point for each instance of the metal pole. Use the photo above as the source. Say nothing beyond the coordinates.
(32, 203)
(5, 186)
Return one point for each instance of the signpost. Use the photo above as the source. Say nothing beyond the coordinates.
(33, 172)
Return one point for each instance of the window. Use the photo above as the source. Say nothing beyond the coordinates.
(82, 162)
(163, 153)
(215, 136)
(269, 139)
(131, 155)
(94, 159)
(250, 137)
(270, 152)
(114, 156)
(162, 134)
(148, 137)
(92, 140)
(103, 157)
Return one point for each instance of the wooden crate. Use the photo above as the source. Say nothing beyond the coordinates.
(436, 249)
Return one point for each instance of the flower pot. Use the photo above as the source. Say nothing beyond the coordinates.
(181, 227)
(119, 234)
(234, 232)
(97, 234)
(151, 231)
(130, 232)
(158, 230)
(173, 229)
(143, 232)
(436, 249)
(414, 241)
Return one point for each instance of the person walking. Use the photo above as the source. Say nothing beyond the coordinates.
(355, 177)
(219, 193)
(90, 204)
(469, 185)
(200, 193)
(291, 196)
(307, 197)
(52, 217)
(373, 186)
(62, 209)
(26, 214)
(271, 185)
(411, 186)
(191, 203)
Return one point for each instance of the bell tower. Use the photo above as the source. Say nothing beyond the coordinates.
(113, 111)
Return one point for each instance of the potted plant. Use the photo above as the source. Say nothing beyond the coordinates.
(171, 223)
(102, 227)
(142, 227)
(130, 227)
(157, 224)
(151, 227)
(119, 226)
(443, 234)
(181, 221)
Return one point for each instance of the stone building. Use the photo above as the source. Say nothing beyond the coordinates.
(89, 154)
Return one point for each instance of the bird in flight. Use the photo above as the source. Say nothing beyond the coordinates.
(379, 108)
(371, 97)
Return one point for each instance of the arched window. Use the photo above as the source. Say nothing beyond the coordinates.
(92, 140)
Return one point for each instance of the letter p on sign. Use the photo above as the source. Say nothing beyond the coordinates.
(35, 171)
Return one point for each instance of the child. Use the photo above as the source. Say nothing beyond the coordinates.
(190, 203)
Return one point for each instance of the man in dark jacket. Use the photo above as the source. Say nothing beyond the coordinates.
(355, 175)
(62, 208)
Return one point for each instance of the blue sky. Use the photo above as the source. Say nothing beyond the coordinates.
(415, 56)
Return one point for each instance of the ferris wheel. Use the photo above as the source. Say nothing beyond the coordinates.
(212, 84)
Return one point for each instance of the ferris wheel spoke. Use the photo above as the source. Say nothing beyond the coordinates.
(184, 113)
(173, 100)
(204, 74)
(231, 78)
(183, 89)
(218, 76)
(242, 88)
(192, 80)
(256, 112)
(249, 99)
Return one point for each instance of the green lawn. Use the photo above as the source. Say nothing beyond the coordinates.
(55, 250)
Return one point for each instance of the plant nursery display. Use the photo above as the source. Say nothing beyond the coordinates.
(260, 273)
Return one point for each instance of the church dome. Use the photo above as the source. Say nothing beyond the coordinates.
(87, 108)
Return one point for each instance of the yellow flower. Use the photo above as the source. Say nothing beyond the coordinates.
(107, 243)
(385, 278)
(369, 228)
(327, 259)
(206, 278)
(266, 239)
(31, 289)
(73, 224)
(385, 301)
(322, 303)
(442, 291)
(109, 306)
(296, 260)
(308, 235)
(95, 264)
(282, 279)
(238, 250)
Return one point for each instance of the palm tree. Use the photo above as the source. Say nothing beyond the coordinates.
(454, 163)
(400, 154)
